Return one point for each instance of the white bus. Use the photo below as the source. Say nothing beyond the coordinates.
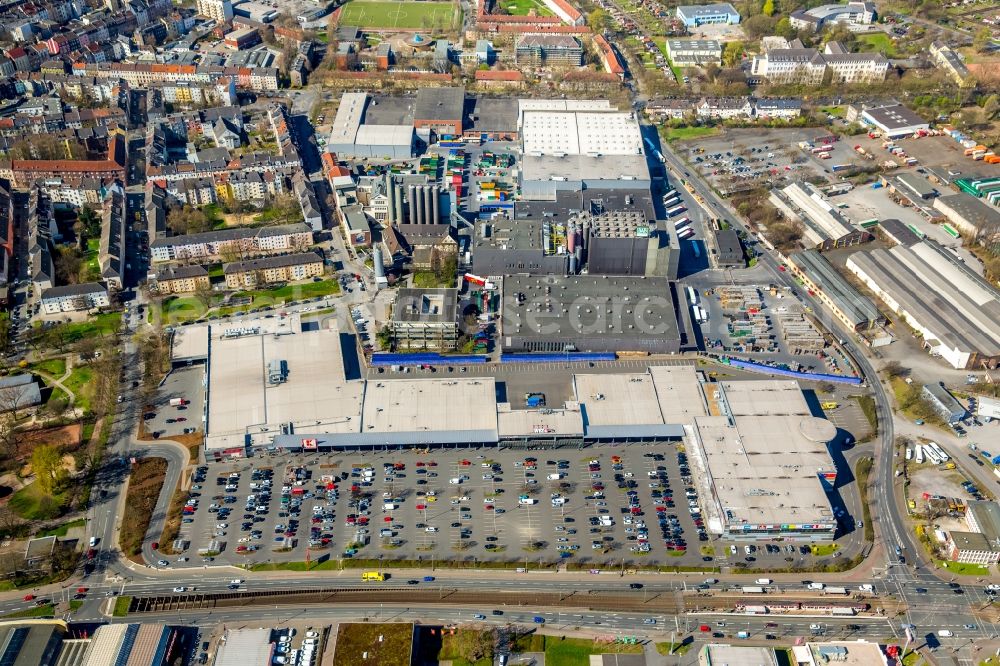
(920, 454)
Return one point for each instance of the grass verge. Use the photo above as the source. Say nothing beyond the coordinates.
(121, 606)
(861, 473)
(61, 530)
(962, 569)
(47, 610)
(688, 133)
(143, 490)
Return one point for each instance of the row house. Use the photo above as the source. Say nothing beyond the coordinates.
(269, 270)
(180, 280)
(732, 108)
(240, 242)
(111, 251)
(260, 79)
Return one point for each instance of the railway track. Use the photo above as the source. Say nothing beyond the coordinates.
(653, 602)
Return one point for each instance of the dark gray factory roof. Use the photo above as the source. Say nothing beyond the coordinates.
(541, 306)
(383, 110)
(847, 299)
(972, 210)
(486, 114)
(591, 199)
(730, 250)
(899, 232)
(439, 103)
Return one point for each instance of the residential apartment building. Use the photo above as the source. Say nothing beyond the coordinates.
(268, 270)
(725, 108)
(140, 75)
(75, 298)
(551, 50)
(950, 61)
(810, 67)
(220, 10)
(181, 279)
(111, 253)
(237, 242)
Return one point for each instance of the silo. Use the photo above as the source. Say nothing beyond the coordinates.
(426, 219)
(412, 199)
(435, 204)
(379, 268)
(571, 237)
(397, 191)
(572, 264)
(390, 199)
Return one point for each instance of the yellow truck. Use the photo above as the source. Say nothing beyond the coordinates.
(372, 576)
(829, 405)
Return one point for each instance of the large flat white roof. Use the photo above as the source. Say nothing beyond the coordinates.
(430, 405)
(539, 422)
(618, 399)
(189, 342)
(580, 133)
(316, 396)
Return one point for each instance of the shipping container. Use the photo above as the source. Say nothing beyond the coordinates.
(683, 222)
(676, 210)
(685, 233)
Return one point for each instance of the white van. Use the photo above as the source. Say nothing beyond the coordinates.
(945, 633)
(763, 581)
(455, 481)
(815, 586)
(388, 506)
(867, 587)
(385, 533)
(558, 501)
(555, 476)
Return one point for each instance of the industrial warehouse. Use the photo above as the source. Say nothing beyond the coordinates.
(760, 457)
(954, 310)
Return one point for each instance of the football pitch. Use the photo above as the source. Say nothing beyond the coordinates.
(412, 14)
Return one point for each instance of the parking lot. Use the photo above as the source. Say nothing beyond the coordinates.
(603, 507)
(168, 415)
(743, 159)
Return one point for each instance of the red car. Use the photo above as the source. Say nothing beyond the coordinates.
(704, 627)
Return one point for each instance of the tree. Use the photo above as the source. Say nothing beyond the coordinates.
(732, 54)
(759, 26)
(768, 9)
(47, 465)
(983, 40)
(991, 105)
(89, 221)
(894, 369)
(599, 20)
(783, 28)
(203, 294)
(187, 220)
(68, 261)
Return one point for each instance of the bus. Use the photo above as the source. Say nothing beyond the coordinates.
(372, 576)
(938, 450)
(692, 296)
(676, 210)
(685, 233)
(920, 454)
(683, 222)
(696, 246)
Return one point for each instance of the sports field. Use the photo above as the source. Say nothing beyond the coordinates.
(414, 14)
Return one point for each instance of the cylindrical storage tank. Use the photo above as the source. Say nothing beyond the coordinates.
(390, 200)
(435, 204)
(377, 260)
(586, 234)
(412, 199)
(397, 191)
(571, 238)
(572, 264)
(426, 219)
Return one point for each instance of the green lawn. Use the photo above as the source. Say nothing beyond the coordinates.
(175, 309)
(428, 280)
(414, 15)
(522, 7)
(575, 651)
(91, 269)
(963, 569)
(53, 366)
(688, 133)
(121, 606)
(61, 530)
(35, 611)
(385, 643)
(879, 42)
(823, 549)
(79, 383)
(75, 604)
(835, 111)
(31, 503)
(98, 325)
